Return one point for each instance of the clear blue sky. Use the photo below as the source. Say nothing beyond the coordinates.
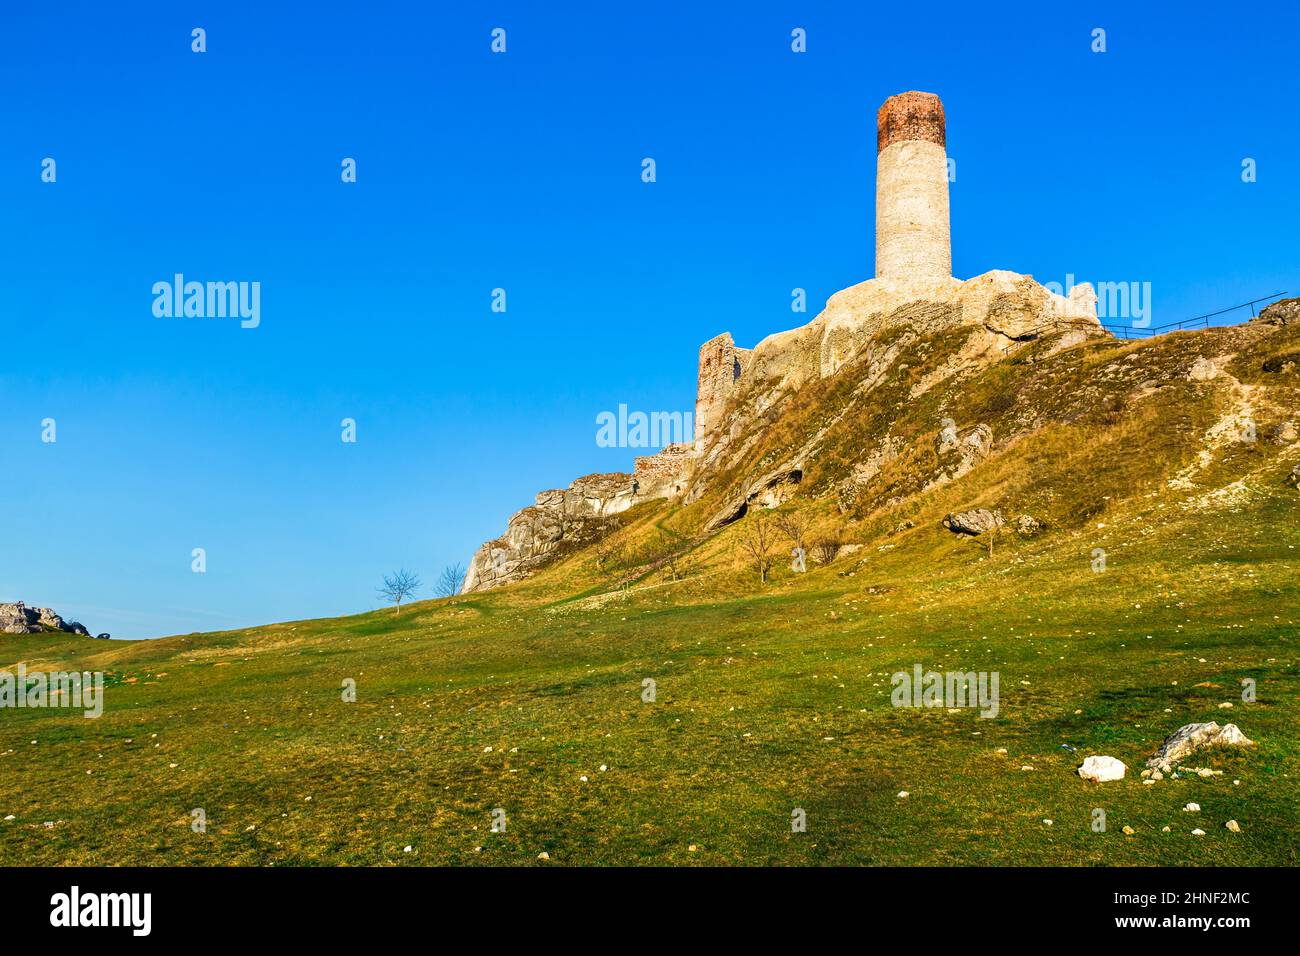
(522, 171)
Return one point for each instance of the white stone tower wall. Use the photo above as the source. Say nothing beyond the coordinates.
(912, 232)
(912, 237)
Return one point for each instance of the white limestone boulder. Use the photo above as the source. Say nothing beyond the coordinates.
(1102, 769)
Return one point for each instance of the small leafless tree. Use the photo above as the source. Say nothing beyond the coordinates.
(450, 581)
(794, 525)
(758, 543)
(674, 558)
(399, 586)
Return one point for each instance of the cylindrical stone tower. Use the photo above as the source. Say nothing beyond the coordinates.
(912, 238)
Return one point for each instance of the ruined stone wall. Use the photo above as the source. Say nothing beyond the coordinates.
(667, 464)
(912, 227)
(720, 367)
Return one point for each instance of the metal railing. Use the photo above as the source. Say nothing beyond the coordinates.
(1196, 322)
(1136, 332)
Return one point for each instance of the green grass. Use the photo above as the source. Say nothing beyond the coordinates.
(749, 685)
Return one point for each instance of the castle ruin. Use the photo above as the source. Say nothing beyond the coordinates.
(913, 285)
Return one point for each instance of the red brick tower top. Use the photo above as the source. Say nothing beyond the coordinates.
(911, 115)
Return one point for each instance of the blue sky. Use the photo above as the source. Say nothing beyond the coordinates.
(522, 171)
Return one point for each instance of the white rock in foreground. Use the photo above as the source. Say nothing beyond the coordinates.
(1102, 769)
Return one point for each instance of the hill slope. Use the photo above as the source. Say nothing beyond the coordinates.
(1172, 456)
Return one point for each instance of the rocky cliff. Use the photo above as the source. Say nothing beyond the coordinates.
(18, 618)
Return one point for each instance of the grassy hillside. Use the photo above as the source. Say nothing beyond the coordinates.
(768, 697)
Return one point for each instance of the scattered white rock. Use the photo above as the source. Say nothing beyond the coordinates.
(603, 768)
(903, 794)
(1192, 808)
(1048, 822)
(543, 855)
(408, 848)
(10, 817)
(1129, 831)
(1198, 832)
(1026, 767)
(1164, 830)
(1102, 769)
(1233, 825)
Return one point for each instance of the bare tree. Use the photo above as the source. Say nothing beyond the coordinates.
(794, 525)
(450, 581)
(674, 557)
(758, 542)
(399, 586)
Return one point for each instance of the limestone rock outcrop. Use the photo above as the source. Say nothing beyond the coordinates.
(18, 618)
(1281, 312)
(559, 517)
(1192, 737)
(977, 521)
